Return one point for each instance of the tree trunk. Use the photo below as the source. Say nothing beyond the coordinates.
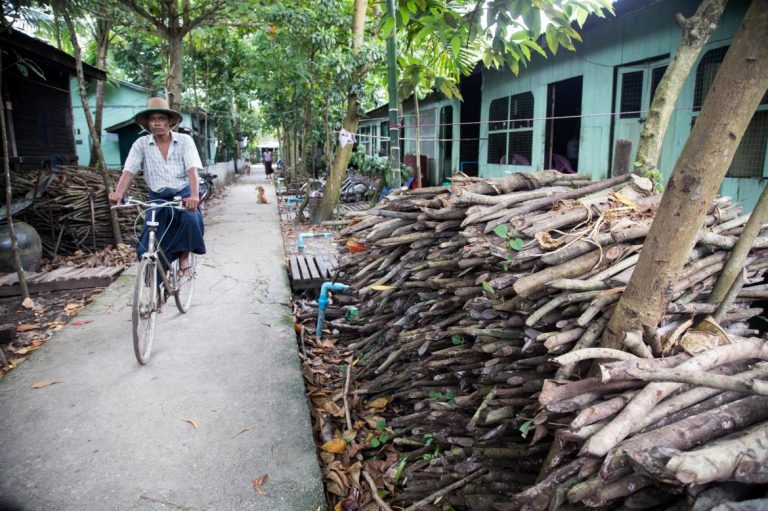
(9, 194)
(341, 159)
(103, 28)
(305, 151)
(735, 94)
(740, 251)
(175, 70)
(418, 139)
(100, 164)
(696, 32)
(328, 149)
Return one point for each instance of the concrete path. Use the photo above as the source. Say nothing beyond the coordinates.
(112, 434)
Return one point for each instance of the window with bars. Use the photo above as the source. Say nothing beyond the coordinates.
(510, 130)
(384, 141)
(364, 138)
(750, 160)
(631, 95)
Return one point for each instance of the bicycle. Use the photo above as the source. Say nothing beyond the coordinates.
(148, 295)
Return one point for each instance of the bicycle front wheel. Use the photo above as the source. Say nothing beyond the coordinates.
(184, 282)
(145, 301)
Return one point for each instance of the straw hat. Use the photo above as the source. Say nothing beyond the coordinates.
(157, 105)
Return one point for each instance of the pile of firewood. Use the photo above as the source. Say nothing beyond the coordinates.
(70, 209)
(478, 314)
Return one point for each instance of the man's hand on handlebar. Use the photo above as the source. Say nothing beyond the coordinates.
(115, 198)
(191, 203)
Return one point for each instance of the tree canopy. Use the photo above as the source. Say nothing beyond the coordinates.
(287, 68)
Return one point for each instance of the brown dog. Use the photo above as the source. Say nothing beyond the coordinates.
(262, 195)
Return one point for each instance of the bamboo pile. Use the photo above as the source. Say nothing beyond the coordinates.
(71, 210)
(479, 314)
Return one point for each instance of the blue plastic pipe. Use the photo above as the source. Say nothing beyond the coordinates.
(322, 303)
(304, 235)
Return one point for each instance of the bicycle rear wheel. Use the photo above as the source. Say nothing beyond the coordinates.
(144, 310)
(184, 283)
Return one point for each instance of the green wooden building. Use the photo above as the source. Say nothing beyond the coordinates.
(122, 101)
(584, 110)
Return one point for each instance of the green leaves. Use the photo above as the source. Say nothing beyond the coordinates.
(502, 231)
(513, 242)
(487, 288)
(457, 340)
(525, 427)
(382, 438)
(448, 397)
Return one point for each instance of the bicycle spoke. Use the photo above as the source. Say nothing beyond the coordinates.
(184, 283)
(145, 302)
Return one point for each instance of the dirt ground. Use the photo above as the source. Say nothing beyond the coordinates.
(26, 326)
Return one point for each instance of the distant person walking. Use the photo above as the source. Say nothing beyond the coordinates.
(268, 162)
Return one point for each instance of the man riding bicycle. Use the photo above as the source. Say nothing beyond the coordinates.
(170, 163)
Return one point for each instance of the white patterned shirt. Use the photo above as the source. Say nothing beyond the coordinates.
(158, 172)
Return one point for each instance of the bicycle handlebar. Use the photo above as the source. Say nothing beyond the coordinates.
(176, 203)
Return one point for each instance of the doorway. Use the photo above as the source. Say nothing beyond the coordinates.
(445, 143)
(563, 131)
(635, 86)
(469, 128)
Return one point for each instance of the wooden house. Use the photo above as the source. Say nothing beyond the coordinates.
(448, 132)
(122, 101)
(38, 98)
(584, 110)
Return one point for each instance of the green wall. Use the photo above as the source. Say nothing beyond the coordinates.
(629, 42)
(121, 103)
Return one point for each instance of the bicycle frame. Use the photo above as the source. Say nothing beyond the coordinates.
(156, 254)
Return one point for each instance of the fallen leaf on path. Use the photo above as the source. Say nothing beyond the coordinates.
(42, 384)
(25, 327)
(27, 349)
(257, 484)
(28, 303)
(241, 432)
(624, 200)
(194, 424)
(73, 307)
(379, 403)
(79, 322)
(336, 446)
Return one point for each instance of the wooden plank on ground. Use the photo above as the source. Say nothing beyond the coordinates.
(304, 271)
(323, 266)
(293, 266)
(62, 279)
(312, 265)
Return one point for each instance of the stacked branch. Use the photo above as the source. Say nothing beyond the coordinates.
(479, 310)
(70, 209)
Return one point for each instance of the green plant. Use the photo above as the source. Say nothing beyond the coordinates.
(525, 427)
(449, 397)
(457, 340)
(651, 173)
(511, 237)
(383, 437)
(432, 456)
(400, 468)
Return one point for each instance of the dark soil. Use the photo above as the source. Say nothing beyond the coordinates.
(24, 329)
